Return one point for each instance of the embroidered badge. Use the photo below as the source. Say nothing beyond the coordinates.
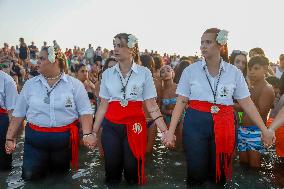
(137, 128)
(68, 103)
(224, 92)
(134, 90)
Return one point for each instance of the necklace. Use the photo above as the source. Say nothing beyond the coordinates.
(53, 78)
(123, 101)
(48, 92)
(214, 109)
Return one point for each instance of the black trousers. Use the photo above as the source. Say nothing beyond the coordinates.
(5, 159)
(118, 155)
(45, 153)
(200, 150)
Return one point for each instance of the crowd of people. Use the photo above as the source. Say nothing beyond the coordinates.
(117, 100)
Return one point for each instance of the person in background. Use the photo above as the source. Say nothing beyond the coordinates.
(250, 146)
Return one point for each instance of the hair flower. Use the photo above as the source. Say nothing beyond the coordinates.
(51, 54)
(132, 40)
(222, 37)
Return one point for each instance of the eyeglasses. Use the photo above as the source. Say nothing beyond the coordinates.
(239, 52)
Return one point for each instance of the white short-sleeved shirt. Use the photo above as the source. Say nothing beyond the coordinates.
(68, 100)
(194, 84)
(8, 91)
(140, 86)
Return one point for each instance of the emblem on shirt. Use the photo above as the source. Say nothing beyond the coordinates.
(224, 92)
(134, 90)
(137, 128)
(68, 102)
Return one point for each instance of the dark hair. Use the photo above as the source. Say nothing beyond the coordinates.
(78, 67)
(158, 62)
(257, 50)
(274, 81)
(135, 48)
(107, 62)
(261, 60)
(179, 69)
(184, 58)
(281, 85)
(224, 48)
(61, 58)
(148, 62)
(232, 60)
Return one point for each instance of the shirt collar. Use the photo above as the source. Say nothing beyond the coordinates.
(134, 68)
(41, 77)
(223, 63)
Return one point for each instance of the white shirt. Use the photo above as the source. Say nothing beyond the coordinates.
(8, 91)
(90, 53)
(140, 86)
(194, 84)
(278, 72)
(68, 100)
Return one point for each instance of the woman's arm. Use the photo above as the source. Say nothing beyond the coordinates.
(278, 120)
(12, 133)
(156, 114)
(100, 115)
(177, 112)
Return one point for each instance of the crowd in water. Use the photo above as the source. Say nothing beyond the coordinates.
(263, 81)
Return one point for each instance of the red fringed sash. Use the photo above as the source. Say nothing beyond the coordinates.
(133, 117)
(224, 130)
(74, 137)
(3, 111)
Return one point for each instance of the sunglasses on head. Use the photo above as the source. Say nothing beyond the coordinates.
(4, 66)
(239, 52)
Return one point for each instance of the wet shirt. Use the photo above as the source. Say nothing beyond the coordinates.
(194, 84)
(8, 91)
(68, 100)
(140, 86)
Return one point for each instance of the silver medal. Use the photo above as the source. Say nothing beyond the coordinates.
(214, 109)
(123, 102)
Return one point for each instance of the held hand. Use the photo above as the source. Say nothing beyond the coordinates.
(169, 139)
(10, 146)
(90, 141)
(268, 137)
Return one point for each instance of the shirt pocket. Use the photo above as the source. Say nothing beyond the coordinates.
(226, 91)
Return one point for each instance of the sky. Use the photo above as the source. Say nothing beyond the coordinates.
(172, 26)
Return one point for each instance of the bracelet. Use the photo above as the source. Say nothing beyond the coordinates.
(87, 134)
(157, 118)
(8, 139)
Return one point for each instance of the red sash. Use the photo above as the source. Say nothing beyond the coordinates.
(74, 137)
(224, 131)
(3, 111)
(279, 143)
(133, 117)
